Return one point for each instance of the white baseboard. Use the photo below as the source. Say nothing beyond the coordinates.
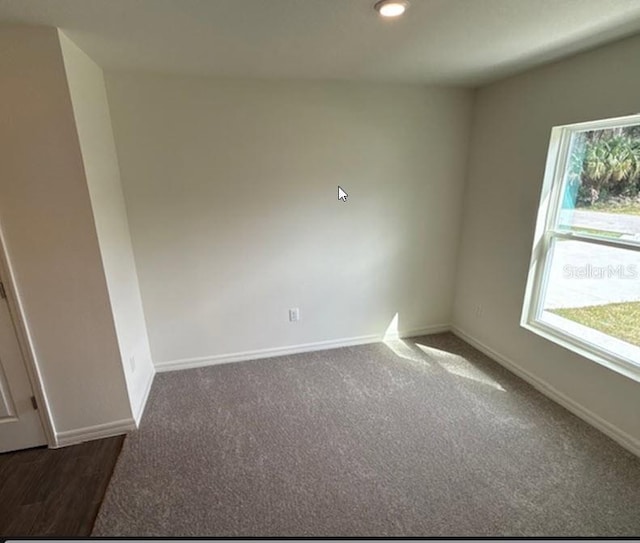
(145, 396)
(188, 363)
(627, 441)
(99, 431)
(425, 331)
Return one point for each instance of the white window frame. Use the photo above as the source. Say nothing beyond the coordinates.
(545, 234)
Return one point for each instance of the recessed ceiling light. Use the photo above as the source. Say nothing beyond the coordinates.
(391, 8)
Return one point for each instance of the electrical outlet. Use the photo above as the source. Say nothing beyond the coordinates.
(478, 310)
(132, 363)
(294, 314)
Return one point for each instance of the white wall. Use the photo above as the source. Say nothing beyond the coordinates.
(47, 221)
(512, 124)
(231, 190)
(93, 123)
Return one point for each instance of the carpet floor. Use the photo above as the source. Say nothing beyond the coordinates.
(422, 437)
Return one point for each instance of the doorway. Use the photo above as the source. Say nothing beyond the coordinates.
(20, 423)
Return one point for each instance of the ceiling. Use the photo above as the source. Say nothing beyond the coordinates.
(461, 42)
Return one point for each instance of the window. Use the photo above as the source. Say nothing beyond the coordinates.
(583, 290)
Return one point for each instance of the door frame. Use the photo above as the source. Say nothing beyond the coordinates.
(25, 343)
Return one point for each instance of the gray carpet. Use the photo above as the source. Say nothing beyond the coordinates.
(426, 437)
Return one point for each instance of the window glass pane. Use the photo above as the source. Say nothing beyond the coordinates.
(601, 188)
(593, 292)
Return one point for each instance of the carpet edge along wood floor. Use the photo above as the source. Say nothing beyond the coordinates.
(55, 492)
(420, 437)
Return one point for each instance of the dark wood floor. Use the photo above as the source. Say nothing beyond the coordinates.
(55, 492)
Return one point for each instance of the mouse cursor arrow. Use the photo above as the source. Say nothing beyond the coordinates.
(342, 195)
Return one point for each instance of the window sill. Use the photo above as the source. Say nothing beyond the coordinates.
(614, 354)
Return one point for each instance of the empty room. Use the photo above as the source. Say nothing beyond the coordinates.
(320, 268)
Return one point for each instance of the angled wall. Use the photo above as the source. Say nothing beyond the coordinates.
(93, 123)
(48, 226)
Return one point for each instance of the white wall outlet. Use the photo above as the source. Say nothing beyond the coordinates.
(132, 363)
(294, 314)
(478, 310)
